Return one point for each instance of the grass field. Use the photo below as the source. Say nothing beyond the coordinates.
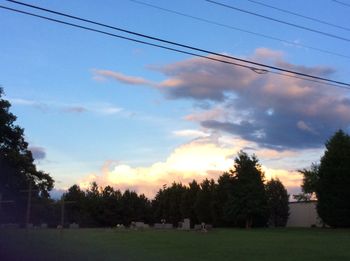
(219, 244)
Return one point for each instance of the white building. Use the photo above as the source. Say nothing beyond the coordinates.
(303, 214)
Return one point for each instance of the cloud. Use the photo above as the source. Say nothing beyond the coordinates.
(99, 108)
(106, 109)
(190, 133)
(107, 74)
(268, 54)
(38, 153)
(217, 113)
(274, 111)
(75, 109)
(303, 126)
(203, 157)
(290, 179)
(24, 102)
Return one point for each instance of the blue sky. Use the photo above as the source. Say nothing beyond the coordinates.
(134, 116)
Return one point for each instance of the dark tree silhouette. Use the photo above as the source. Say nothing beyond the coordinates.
(223, 193)
(248, 204)
(17, 168)
(332, 189)
(277, 202)
(308, 186)
(204, 204)
(188, 201)
(167, 203)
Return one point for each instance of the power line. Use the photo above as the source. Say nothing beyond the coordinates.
(278, 71)
(240, 29)
(342, 3)
(280, 21)
(132, 39)
(300, 15)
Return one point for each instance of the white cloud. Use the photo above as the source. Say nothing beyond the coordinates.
(204, 157)
(190, 133)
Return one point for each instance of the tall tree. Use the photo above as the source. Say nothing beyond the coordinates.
(112, 207)
(248, 204)
(277, 202)
(333, 183)
(167, 203)
(188, 201)
(76, 211)
(223, 193)
(204, 205)
(134, 207)
(17, 169)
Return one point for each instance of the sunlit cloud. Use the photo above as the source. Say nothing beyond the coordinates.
(203, 157)
(290, 179)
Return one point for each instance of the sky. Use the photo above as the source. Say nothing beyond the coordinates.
(99, 108)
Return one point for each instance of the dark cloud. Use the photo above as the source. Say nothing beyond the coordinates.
(194, 79)
(316, 70)
(38, 153)
(276, 112)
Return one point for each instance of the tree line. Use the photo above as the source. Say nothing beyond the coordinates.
(238, 198)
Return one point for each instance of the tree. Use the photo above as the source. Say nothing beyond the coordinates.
(76, 211)
(248, 204)
(93, 205)
(277, 202)
(134, 207)
(204, 204)
(309, 183)
(223, 193)
(188, 201)
(167, 203)
(332, 189)
(18, 170)
(112, 210)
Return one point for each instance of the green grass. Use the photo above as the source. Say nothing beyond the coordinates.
(219, 244)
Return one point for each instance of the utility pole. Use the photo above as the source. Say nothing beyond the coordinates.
(29, 202)
(4, 202)
(63, 203)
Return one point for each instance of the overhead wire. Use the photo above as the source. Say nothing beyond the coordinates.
(279, 71)
(342, 3)
(279, 21)
(240, 29)
(300, 15)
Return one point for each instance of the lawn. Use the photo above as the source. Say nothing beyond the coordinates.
(219, 244)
